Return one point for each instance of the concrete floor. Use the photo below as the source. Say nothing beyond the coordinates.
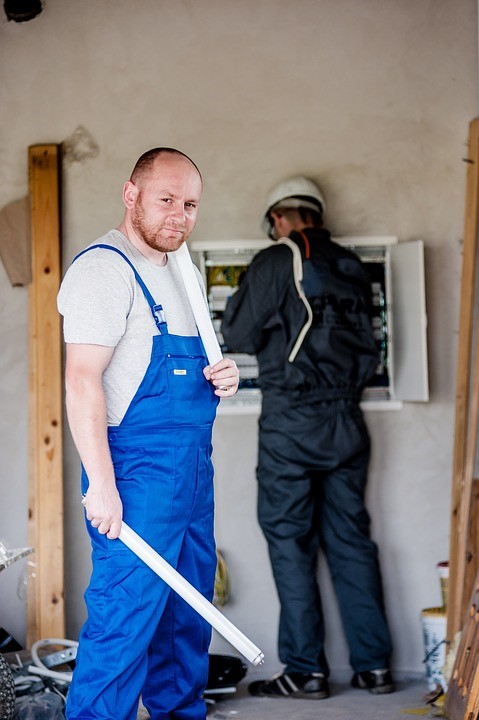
(345, 703)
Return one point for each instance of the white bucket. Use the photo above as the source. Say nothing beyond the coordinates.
(434, 635)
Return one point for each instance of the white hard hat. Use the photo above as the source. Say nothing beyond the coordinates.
(294, 193)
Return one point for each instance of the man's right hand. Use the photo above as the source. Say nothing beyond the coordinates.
(104, 510)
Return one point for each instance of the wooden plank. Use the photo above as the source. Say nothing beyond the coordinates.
(45, 601)
(460, 482)
(462, 698)
(466, 560)
(472, 548)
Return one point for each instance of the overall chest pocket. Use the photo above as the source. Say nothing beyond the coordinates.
(191, 396)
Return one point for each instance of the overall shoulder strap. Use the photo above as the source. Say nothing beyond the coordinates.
(156, 310)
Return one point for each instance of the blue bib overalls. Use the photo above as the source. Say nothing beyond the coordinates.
(140, 637)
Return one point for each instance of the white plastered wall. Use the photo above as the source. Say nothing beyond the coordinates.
(370, 99)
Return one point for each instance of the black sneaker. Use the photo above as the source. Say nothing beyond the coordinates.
(307, 686)
(378, 682)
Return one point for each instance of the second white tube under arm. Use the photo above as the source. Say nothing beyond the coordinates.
(198, 305)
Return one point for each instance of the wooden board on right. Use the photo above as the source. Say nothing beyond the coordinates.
(462, 698)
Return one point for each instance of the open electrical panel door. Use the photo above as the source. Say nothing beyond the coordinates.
(410, 321)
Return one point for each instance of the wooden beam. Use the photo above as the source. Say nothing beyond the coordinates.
(472, 550)
(462, 697)
(464, 442)
(45, 600)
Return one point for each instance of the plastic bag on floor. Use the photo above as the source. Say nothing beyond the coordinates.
(44, 706)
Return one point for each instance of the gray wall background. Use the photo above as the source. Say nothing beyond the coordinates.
(370, 99)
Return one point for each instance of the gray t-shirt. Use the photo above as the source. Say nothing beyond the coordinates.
(102, 304)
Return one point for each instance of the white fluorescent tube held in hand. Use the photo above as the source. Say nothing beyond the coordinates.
(191, 595)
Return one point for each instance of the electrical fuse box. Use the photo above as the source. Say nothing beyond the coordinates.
(396, 271)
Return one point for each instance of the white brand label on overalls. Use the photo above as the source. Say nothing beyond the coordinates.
(179, 372)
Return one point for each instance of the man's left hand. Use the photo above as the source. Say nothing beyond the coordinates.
(224, 375)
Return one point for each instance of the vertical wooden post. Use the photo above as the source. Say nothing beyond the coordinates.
(462, 698)
(462, 574)
(45, 607)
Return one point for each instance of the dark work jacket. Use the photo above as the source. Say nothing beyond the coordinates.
(265, 316)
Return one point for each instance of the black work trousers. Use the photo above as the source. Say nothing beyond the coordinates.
(312, 472)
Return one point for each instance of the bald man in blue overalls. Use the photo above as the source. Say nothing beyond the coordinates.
(141, 400)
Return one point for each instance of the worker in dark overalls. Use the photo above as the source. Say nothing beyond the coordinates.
(303, 308)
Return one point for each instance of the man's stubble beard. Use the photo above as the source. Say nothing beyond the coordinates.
(151, 235)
